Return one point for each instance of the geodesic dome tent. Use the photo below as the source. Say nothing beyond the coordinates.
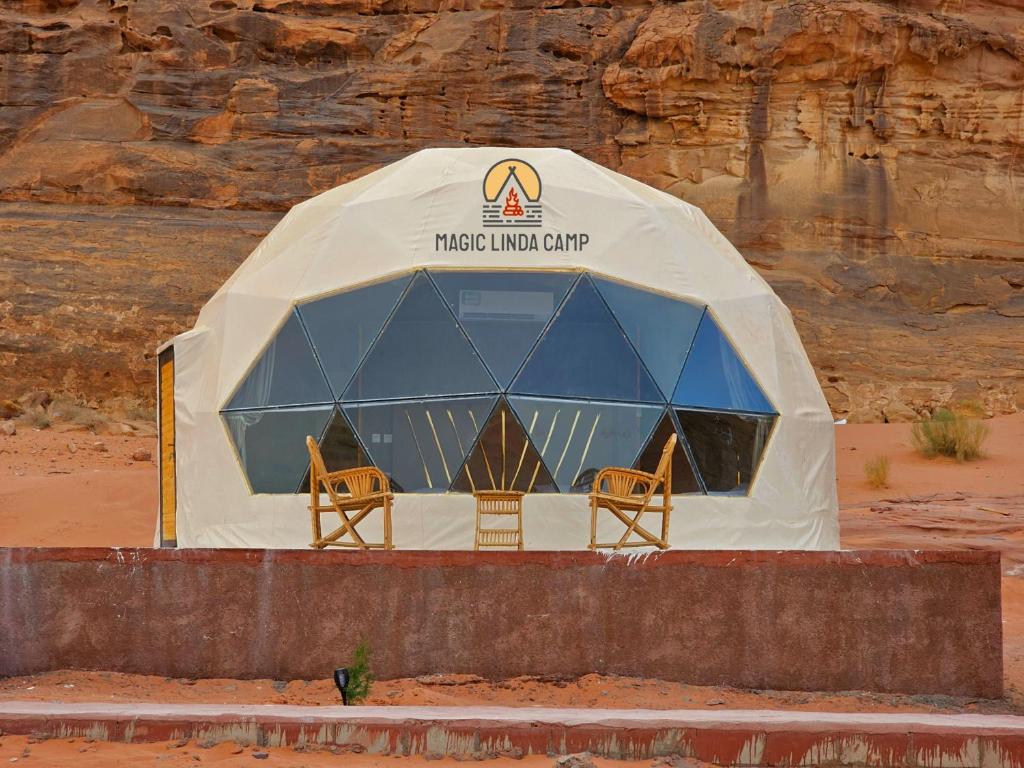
(469, 319)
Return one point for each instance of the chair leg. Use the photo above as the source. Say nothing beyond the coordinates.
(593, 524)
(629, 530)
(388, 544)
(315, 519)
(476, 533)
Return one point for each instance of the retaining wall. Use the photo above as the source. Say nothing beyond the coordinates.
(909, 621)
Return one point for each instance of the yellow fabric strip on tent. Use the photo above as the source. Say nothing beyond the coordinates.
(586, 448)
(437, 442)
(565, 450)
(426, 472)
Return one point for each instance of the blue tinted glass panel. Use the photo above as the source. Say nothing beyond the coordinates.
(504, 459)
(714, 376)
(343, 327)
(684, 480)
(503, 312)
(584, 353)
(286, 373)
(660, 328)
(727, 447)
(576, 439)
(271, 445)
(420, 352)
(339, 447)
(420, 445)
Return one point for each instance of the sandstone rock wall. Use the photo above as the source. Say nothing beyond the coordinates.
(864, 156)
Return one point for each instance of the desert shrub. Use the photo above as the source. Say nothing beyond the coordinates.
(131, 409)
(35, 418)
(956, 433)
(360, 678)
(70, 412)
(876, 471)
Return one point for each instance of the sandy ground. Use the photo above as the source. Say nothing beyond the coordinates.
(63, 488)
(598, 691)
(928, 504)
(59, 753)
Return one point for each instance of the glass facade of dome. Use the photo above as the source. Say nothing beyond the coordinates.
(461, 380)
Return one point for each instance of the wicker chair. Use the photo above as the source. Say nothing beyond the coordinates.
(367, 490)
(628, 494)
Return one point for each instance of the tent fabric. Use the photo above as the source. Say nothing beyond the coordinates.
(384, 225)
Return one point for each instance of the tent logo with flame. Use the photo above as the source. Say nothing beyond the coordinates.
(512, 195)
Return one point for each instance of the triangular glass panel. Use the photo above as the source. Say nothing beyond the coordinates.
(661, 328)
(421, 352)
(577, 439)
(727, 447)
(503, 312)
(420, 444)
(286, 373)
(584, 353)
(340, 449)
(342, 327)
(504, 459)
(683, 478)
(271, 445)
(714, 377)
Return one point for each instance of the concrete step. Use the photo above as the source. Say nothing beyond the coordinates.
(727, 738)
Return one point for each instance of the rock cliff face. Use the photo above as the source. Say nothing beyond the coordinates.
(864, 156)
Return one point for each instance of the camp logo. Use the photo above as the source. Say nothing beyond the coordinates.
(512, 195)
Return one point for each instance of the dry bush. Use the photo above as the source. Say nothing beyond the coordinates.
(876, 472)
(36, 418)
(956, 433)
(130, 409)
(70, 412)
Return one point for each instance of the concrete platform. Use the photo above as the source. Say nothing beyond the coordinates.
(728, 738)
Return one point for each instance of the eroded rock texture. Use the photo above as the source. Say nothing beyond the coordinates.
(864, 156)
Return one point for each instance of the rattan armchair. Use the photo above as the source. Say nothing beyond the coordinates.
(629, 494)
(366, 489)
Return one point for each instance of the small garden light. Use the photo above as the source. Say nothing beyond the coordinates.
(341, 680)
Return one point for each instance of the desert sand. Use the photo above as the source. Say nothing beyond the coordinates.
(929, 503)
(59, 753)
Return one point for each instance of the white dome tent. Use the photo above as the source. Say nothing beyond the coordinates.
(393, 318)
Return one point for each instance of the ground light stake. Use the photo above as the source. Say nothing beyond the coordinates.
(341, 680)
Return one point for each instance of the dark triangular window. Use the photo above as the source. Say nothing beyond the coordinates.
(504, 459)
(661, 329)
(420, 444)
(420, 352)
(584, 353)
(286, 373)
(271, 445)
(727, 447)
(683, 478)
(714, 377)
(342, 327)
(503, 312)
(577, 438)
(339, 447)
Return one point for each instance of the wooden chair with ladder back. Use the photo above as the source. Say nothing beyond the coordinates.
(507, 503)
(629, 494)
(501, 500)
(366, 489)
